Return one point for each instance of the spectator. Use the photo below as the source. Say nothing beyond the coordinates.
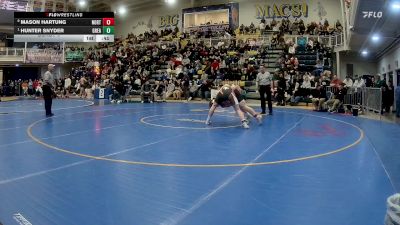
(89, 91)
(185, 85)
(398, 101)
(147, 92)
(281, 90)
(205, 89)
(82, 86)
(310, 45)
(292, 48)
(338, 26)
(306, 83)
(380, 82)
(159, 91)
(348, 82)
(337, 98)
(325, 81)
(194, 88)
(359, 82)
(116, 92)
(319, 68)
(387, 96)
(170, 89)
(137, 83)
(67, 85)
(262, 26)
(319, 98)
(178, 90)
(24, 87)
(30, 87)
(335, 82)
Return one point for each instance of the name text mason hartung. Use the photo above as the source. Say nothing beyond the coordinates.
(43, 22)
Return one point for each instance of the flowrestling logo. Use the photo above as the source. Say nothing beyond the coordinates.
(372, 14)
(21, 219)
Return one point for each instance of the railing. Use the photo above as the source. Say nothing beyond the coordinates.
(57, 56)
(262, 40)
(367, 98)
(44, 56)
(337, 40)
(5, 51)
(372, 99)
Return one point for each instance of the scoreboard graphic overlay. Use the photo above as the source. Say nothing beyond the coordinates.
(63, 27)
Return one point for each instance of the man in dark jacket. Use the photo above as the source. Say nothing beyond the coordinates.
(205, 89)
(398, 101)
(159, 91)
(337, 98)
(387, 96)
(147, 91)
(281, 90)
(319, 98)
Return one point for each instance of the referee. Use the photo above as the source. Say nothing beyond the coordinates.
(48, 79)
(263, 83)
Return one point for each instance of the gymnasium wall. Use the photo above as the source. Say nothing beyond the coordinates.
(361, 65)
(390, 63)
(249, 11)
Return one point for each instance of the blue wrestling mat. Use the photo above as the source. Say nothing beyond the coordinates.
(149, 164)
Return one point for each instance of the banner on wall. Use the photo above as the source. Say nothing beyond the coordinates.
(48, 7)
(234, 15)
(212, 28)
(295, 10)
(168, 21)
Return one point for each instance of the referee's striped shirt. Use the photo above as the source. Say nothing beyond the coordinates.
(264, 78)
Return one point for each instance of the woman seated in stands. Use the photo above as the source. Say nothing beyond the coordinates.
(170, 89)
(178, 90)
(194, 89)
(301, 90)
(292, 48)
(310, 44)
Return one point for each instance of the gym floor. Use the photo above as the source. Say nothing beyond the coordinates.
(158, 163)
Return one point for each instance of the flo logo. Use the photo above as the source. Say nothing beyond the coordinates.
(372, 14)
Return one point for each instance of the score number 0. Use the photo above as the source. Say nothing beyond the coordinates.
(108, 21)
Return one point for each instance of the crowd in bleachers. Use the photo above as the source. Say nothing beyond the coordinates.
(296, 27)
(146, 66)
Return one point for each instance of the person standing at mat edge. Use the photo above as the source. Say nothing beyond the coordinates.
(48, 79)
(263, 83)
(398, 101)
